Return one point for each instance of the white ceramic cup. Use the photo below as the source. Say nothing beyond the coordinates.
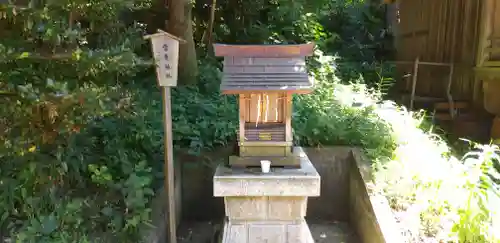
(265, 165)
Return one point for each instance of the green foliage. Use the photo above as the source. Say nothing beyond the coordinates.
(433, 194)
(324, 118)
(264, 21)
(69, 162)
(94, 179)
(202, 117)
(477, 216)
(83, 143)
(360, 40)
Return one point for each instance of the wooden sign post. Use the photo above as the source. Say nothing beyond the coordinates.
(166, 56)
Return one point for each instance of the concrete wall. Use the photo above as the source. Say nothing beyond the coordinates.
(370, 214)
(345, 193)
(199, 204)
(333, 165)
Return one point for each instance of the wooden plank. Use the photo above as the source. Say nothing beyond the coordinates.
(169, 164)
(454, 23)
(261, 80)
(491, 63)
(444, 41)
(254, 107)
(443, 117)
(256, 132)
(287, 106)
(264, 50)
(495, 19)
(287, 161)
(265, 138)
(259, 75)
(271, 132)
(264, 134)
(280, 151)
(446, 105)
(492, 73)
(258, 144)
(412, 34)
(477, 35)
(252, 91)
(421, 63)
(242, 104)
(439, 30)
(430, 26)
(476, 83)
(266, 69)
(164, 33)
(260, 61)
(488, 22)
(268, 125)
(414, 82)
(267, 132)
(273, 110)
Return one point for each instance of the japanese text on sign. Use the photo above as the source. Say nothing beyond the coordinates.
(166, 52)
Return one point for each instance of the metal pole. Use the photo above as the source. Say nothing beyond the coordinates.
(169, 164)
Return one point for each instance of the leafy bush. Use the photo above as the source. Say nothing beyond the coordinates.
(448, 199)
(433, 194)
(323, 117)
(83, 143)
(359, 38)
(202, 117)
(68, 123)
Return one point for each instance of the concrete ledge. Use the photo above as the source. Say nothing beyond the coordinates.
(304, 181)
(346, 195)
(370, 214)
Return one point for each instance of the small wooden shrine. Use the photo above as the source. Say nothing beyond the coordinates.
(265, 77)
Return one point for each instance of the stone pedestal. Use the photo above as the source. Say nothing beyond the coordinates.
(267, 208)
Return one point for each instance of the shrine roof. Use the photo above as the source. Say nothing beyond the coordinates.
(254, 68)
(298, 50)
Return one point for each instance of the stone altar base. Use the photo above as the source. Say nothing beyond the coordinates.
(270, 207)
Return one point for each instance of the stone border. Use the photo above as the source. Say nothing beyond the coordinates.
(370, 214)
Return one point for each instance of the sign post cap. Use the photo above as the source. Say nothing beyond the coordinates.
(164, 33)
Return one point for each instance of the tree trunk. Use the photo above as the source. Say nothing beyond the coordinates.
(211, 27)
(180, 24)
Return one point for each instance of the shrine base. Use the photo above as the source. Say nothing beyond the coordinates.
(267, 207)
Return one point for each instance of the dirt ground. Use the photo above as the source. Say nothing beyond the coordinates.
(323, 232)
(332, 232)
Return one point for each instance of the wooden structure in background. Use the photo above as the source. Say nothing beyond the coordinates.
(448, 51)
(441, 33)
(265, 77)
(462, 33)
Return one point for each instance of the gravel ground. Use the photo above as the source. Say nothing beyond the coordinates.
(334, 232)
(323, 232)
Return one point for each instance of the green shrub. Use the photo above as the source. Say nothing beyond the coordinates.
(433, 194)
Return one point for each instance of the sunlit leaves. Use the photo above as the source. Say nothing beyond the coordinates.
(62, 67)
